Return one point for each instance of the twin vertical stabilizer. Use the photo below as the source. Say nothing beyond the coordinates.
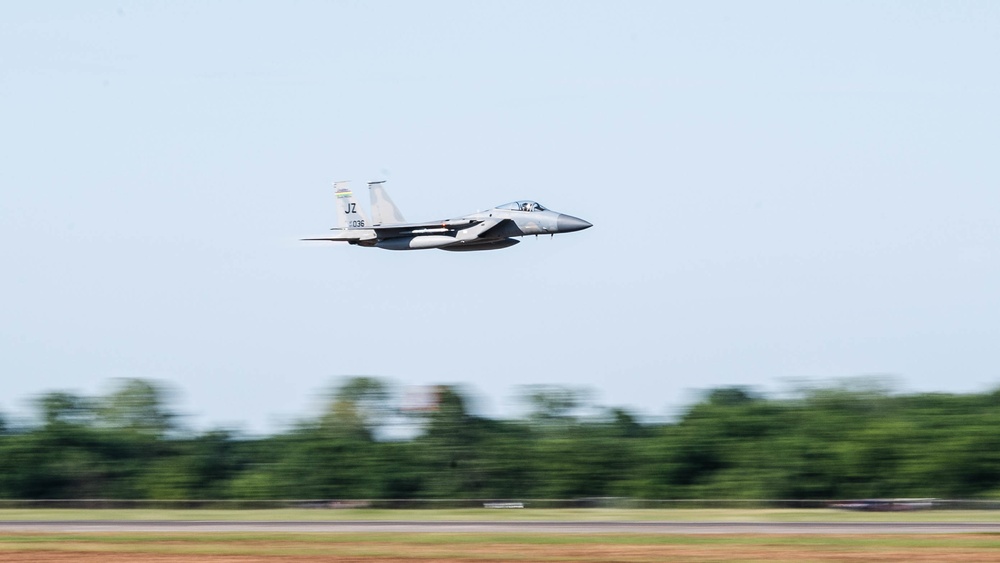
(350, 215)
(384, 211)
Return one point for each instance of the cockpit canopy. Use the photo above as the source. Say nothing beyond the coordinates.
(522, 206)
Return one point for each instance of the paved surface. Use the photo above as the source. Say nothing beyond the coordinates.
(554, 527)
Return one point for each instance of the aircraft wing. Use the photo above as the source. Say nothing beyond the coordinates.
(463, 231)
(417, 229)
(502, 228)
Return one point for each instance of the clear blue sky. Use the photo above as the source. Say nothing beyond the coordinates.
(780, 190)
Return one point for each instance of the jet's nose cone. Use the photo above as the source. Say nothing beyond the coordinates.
(568, 224)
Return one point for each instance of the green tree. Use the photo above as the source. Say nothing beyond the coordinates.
(137, 405)
(360, 405)
(61, 407)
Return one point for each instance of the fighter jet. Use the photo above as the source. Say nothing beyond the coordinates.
(484, 230)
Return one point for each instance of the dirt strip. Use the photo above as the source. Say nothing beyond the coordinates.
(286, 552)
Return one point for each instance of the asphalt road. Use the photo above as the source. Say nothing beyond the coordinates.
(520, 527)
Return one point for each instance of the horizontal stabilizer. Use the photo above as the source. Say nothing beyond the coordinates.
(345, 235)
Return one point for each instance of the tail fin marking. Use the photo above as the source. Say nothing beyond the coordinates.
(350, 215)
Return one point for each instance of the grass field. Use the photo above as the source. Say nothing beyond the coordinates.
(434, 547)
(583, 514)
(289, 548)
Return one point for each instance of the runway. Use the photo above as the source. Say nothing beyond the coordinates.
(492, 527)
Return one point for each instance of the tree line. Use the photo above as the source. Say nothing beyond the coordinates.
(840, 441)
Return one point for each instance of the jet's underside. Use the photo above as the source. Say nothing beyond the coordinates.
(443, 242)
